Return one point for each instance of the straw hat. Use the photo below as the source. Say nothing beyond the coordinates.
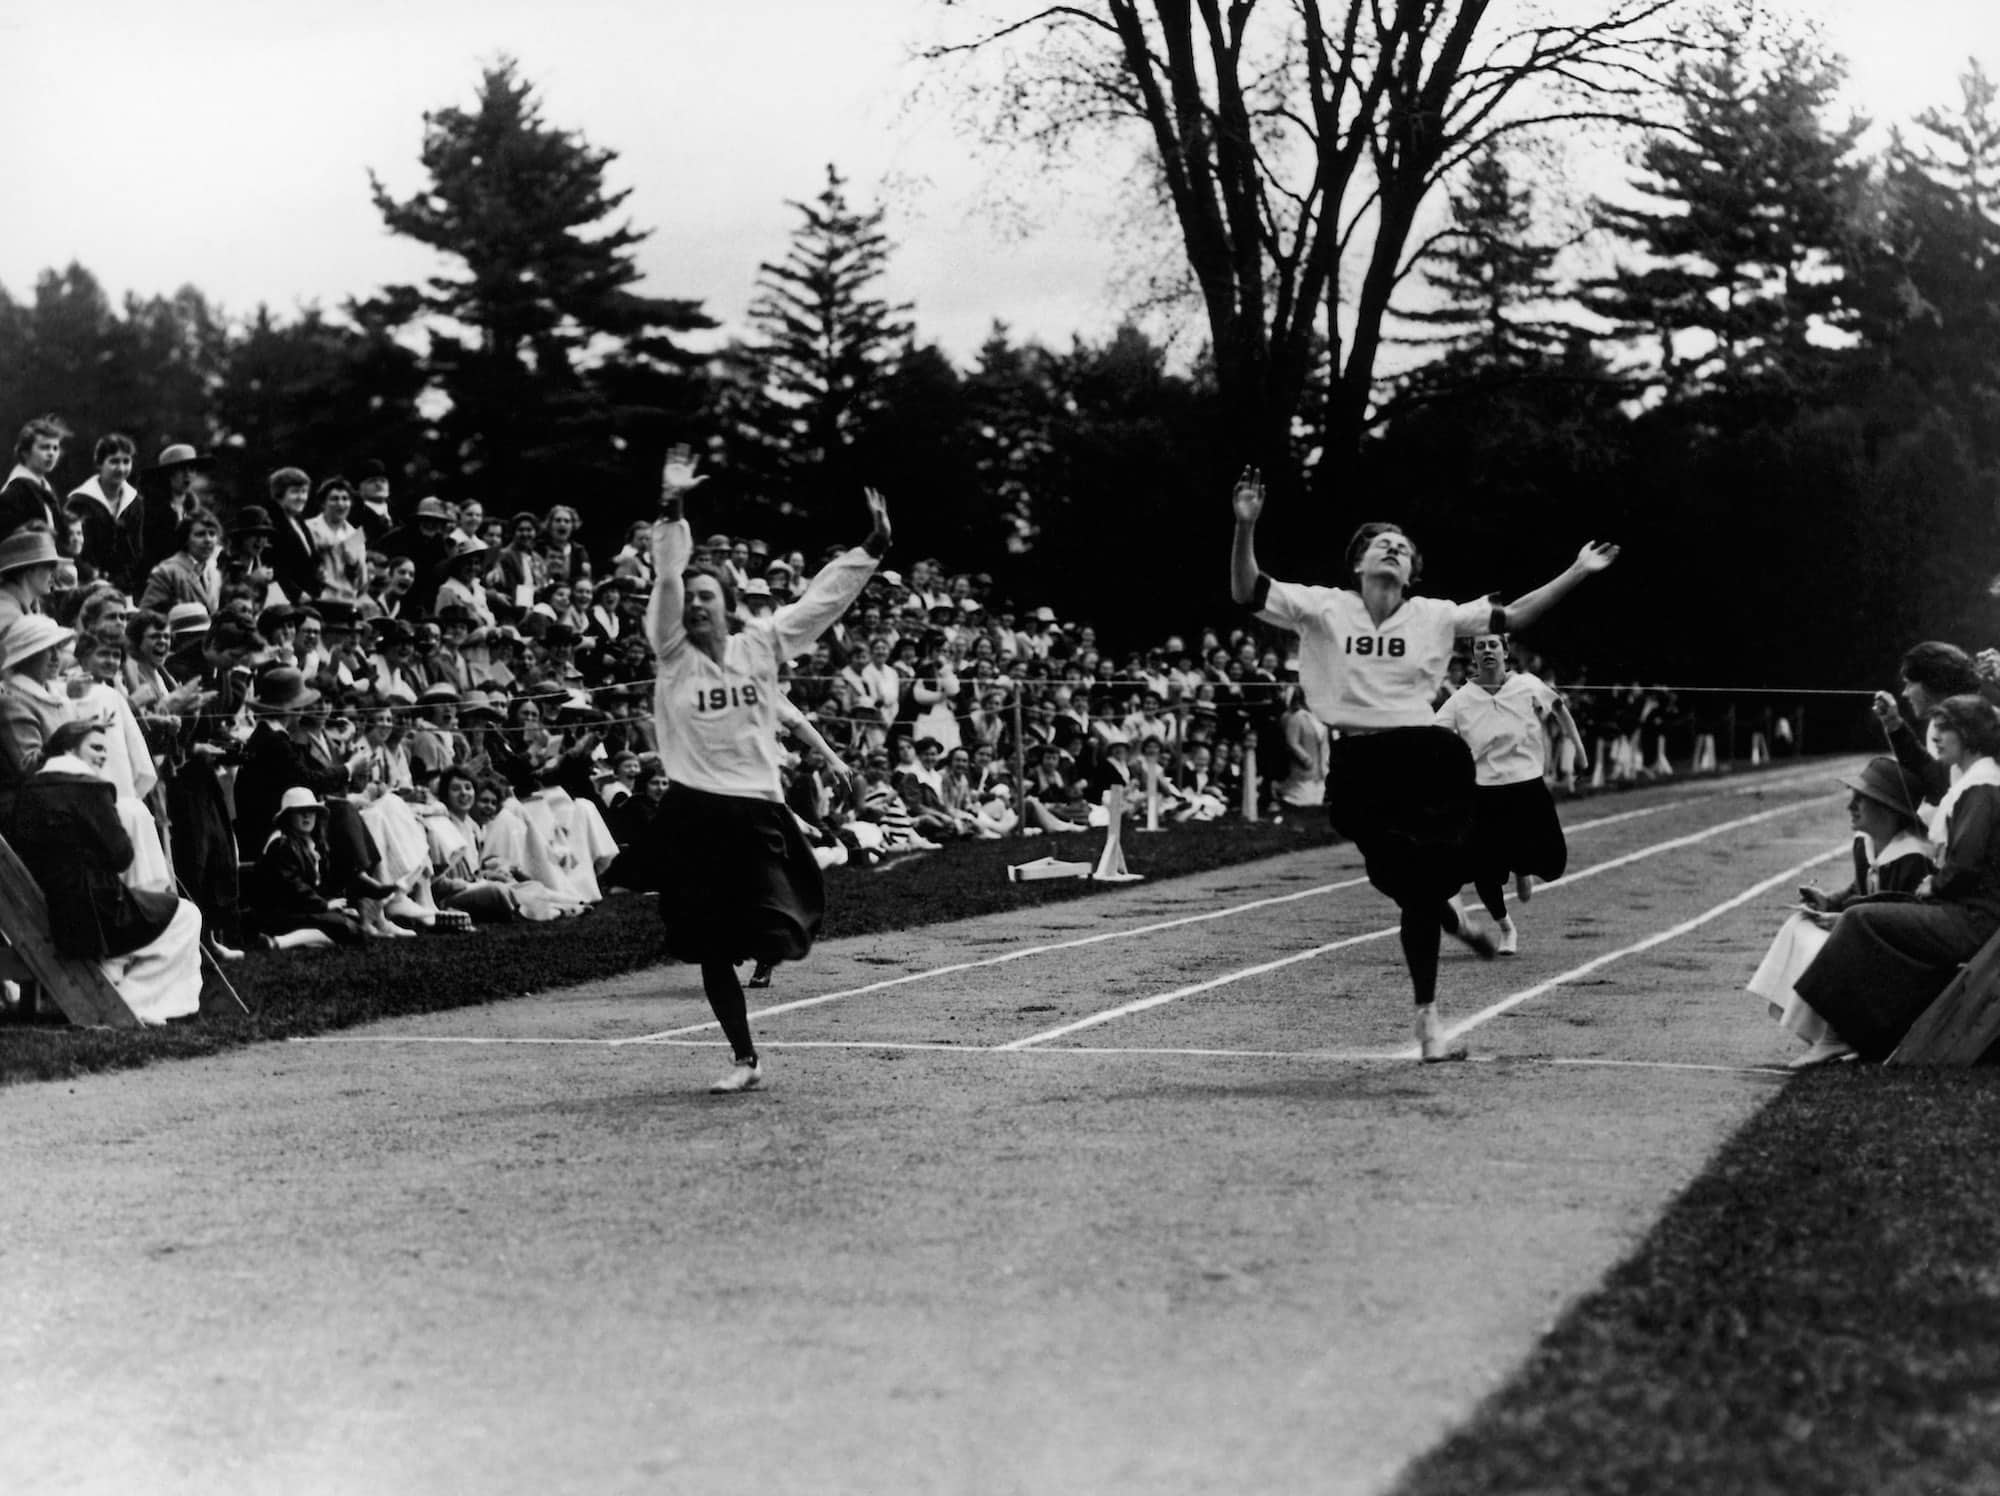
(298, 797)
(28, 635)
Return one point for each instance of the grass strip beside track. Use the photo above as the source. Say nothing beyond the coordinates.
(1818, 1313)
(298, 993)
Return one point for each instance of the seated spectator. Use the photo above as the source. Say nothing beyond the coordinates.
(287, 905)
(470, 880)
(32, 706)
(1886, 958)
(65, 828)
(28, 563)
(1891, 856)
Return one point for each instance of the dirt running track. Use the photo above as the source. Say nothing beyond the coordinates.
(1227, 1241)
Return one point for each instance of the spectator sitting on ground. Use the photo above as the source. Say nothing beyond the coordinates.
(65, 827)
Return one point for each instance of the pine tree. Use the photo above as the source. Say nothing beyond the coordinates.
(1936, 270)
(1492, 275)
(824, 348)
(539, 342)
(1740, 274)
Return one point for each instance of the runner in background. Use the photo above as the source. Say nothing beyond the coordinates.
(1504, 717)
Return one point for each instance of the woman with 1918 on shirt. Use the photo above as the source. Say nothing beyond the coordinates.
(737, 880)
(1398, 786)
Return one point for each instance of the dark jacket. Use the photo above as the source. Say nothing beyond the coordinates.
(290, 557)
(65, 828)
(23, 500)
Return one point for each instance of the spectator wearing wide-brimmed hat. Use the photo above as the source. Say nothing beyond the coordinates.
(170, 489)
(460, 583)
(31, 706)
(28, 562)
(427, 541)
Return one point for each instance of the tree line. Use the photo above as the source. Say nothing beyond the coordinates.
(1777, 381)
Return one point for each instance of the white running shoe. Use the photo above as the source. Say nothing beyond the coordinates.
(1432, 1046)
(747, 1076)
(1510, 940)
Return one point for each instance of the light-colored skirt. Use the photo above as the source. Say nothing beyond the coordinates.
(1798, 941)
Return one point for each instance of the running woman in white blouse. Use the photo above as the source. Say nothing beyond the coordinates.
(737, 880)
(1398, 786)
(1504, 716)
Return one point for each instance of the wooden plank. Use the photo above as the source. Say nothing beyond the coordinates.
(1964, 1022)
(76, 986)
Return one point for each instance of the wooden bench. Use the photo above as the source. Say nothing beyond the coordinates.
(77, 986)
(1964, 1023)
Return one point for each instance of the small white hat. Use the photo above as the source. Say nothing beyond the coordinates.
(298, 797)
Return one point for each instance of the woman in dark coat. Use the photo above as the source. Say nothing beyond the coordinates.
(285, 895)
(1888, 958)
(65, 828)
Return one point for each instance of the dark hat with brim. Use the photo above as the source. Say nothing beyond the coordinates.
(253, 519)
(282, 689)
(1886, 782)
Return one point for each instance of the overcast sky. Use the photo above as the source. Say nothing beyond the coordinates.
(227, 142)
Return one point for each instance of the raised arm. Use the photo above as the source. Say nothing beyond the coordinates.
(1525, 609)
(796, 626)
(1248, 501)
(673, 544)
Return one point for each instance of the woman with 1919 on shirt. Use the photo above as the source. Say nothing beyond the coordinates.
(737, 880)
(1398, 786)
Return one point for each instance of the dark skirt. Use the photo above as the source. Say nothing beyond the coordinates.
(1404, 797)
(737, 881)
(1884, 964)
(1515, 829)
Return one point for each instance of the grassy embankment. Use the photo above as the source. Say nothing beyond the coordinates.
(1817, 1315)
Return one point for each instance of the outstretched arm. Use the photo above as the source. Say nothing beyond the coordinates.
(1248, 500)
(673, 543)
(798, 625)
(1525, 609)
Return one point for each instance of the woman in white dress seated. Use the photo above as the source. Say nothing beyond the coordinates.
(66, 830)
(1892, 855)
(469, 876)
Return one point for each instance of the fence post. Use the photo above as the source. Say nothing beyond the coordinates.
(1020, 765)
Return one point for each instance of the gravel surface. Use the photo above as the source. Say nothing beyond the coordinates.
(1218, 1244)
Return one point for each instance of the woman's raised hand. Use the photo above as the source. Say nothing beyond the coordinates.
(1885, 709)
(679, 475)
(877, 543)
(1248, 496)
(1595, 556)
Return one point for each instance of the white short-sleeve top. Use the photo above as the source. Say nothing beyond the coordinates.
(1503, 728)
(1358, 673)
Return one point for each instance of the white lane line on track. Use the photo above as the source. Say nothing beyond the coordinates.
(1159, 999)
(1104, 936)
(667, 1036)
(1659, 937)
(1317, 1056)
